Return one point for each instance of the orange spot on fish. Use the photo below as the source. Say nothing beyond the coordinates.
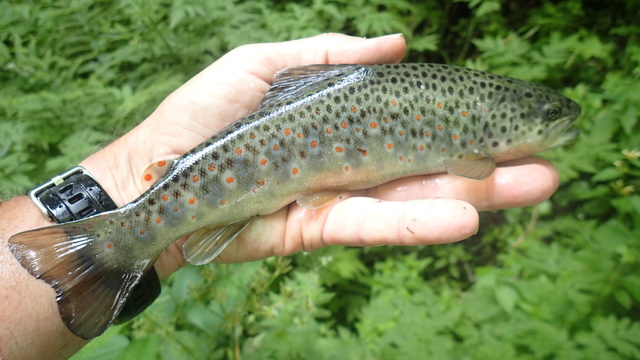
(299, 135)
(455, 137)
(344, 124)
(176, 208)
(418, 117)
(287, 132)
(443, 149)
(421, 147)
(162, 163)
(353, 109)
(123, 224)
(276, 147)
(339, 149)
(239, 151)
(193, 217)
(148, 177)
(401, 158)
(440, 127)
(109, 246)
(223, 202)
(314, 143)
(230, 179)
(260, 182)
(358, 129)
(386, 120)
(439, 105)
(427, 133)
(192, 201)
(318, 111)
(409, 160)
(471, 142)
(400, 132)
(212, 167)
(165, 197)
(295, 171)
(389, 146)
(158, 220)
(195, 178)
(393, 103)
(347, 168)
(328, 130)
(142, 231)
(252, 136)
(373, 125)
(464, 113)
(263, 162)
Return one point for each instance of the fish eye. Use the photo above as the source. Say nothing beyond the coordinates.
(554, 111)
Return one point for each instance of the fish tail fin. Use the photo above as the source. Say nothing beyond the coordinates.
(74, 259)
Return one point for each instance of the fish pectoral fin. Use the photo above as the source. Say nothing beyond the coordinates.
(317, 200)
(90, 290)
(155, 172)
(477, 169)
(207, 243)
(293, 82)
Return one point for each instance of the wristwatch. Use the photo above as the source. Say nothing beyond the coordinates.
(75, 195)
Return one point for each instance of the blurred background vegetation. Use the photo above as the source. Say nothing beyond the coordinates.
(556, 281)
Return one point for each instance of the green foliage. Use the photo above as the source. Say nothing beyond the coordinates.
(558, 280)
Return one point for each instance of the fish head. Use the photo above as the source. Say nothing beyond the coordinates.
(526, 118)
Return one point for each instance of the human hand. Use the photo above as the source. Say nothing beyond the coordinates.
(413, 211)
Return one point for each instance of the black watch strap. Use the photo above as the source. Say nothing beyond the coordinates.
(75, 195)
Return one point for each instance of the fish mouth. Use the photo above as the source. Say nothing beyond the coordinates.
(561, 133)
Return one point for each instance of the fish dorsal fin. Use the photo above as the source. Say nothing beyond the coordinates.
(293, 83)
(477, 169)
(318, 199)
(207, 243)
(155, 171)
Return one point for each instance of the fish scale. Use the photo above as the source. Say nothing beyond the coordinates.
(320, 130)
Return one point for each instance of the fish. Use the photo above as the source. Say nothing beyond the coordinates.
(319, 131)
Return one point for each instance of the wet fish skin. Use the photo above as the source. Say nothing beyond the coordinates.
(319, 131)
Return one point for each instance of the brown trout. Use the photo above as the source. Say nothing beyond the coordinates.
(320, 130)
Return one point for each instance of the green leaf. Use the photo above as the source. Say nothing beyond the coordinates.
(507, 297)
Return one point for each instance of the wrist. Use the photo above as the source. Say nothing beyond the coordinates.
(119, 166)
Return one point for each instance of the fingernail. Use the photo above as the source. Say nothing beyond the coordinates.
(390, 36)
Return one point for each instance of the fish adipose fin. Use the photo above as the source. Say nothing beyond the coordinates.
(155, 172)
(294, 83)
(318, 199)
(90, 291)
(207, 243)
(477, 169)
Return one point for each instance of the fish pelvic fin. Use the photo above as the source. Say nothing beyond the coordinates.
(90, 289)
(207, 243)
